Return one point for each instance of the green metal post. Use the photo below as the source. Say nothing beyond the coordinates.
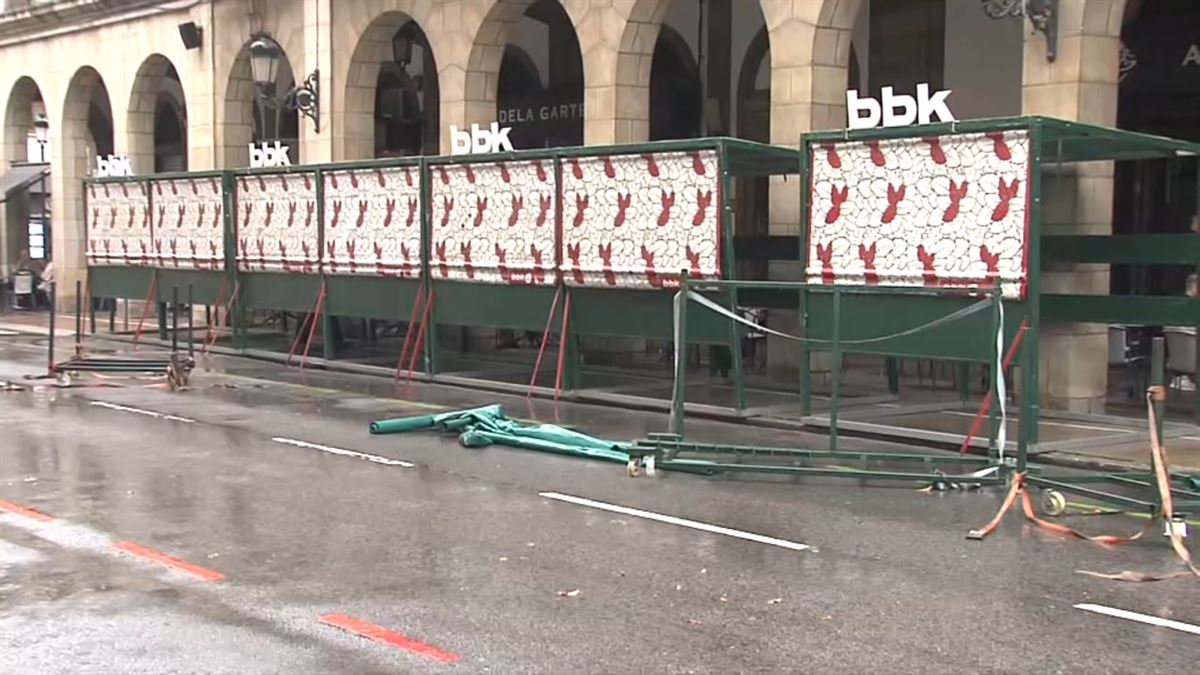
(1158, 379)
(996, 373)
(1030, 408)
(432, 365)
(729, 189)
(679, 390)
(239, 316)
(328, 349)
(805, 360)
(891, 365)
(835, 369)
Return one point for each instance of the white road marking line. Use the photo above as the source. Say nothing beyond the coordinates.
(1190, 438)
(649, 515)
(139, 411)
(1069, 425)
(1143, 618)
(348, 453)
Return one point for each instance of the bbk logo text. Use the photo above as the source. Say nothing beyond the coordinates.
(897, 110)
(266, 156)
(480, 141)
(113, 165)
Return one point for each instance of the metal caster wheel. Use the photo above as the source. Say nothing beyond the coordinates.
(1053, 503)
(649, 463)
(633, 469)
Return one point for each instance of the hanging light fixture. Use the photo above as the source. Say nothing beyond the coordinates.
(402, 45)
(1042, 15)
(265, 55)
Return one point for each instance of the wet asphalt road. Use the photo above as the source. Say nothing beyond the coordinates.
(461, 553)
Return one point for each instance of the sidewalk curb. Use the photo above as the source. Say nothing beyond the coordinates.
(1066, 460)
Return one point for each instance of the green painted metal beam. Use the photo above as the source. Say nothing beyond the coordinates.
(1129, 249)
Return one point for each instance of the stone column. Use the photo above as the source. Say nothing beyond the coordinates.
(717, 66)
(810, 50)
(317, 145)
(1081, 85)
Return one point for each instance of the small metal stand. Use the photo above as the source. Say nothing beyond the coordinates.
(175, 367)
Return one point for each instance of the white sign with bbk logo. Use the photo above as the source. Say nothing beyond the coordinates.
(897, 110)
(480, 141)
(265, 156)
(113, 165)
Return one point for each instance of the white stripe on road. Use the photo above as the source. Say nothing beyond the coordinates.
(348, 453)
(139, 411)
(1143, 618)
(649, 515)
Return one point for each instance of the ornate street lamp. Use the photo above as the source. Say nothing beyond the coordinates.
(402, 46)
(265, 54)
(1042, 14)
(41, 133)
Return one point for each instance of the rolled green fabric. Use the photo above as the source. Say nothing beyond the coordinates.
(400, 424)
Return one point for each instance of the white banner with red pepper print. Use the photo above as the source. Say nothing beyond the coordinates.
(118, 224)
(373, 222)
(636, 221)
(189, 224)
(493, 222)
(277, 223)
(946, 211)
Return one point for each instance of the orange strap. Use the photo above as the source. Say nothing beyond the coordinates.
(1158, 455)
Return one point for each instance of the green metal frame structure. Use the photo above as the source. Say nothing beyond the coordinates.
(833, 318)
(594, 311)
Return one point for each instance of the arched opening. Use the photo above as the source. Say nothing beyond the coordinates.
(1158, 93)
(251, 118)
(157, 123)
(676, 90)
(25, 105)
(87, 131)
(754, 123)
(25, 209)
(392, 93)
(539, 92)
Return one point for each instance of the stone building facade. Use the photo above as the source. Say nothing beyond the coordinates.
(63, 53)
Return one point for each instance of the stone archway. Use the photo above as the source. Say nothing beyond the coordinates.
(482, 75)
(18, 119)
(366, 72)
(155, 86)
(245, 121)
(86, 129)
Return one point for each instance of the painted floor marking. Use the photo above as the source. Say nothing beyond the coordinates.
(26, 512)
(202, 573)
(78, 537)
(388, 637)
(347, 453)
(649, 515)
(139, 411)
(1143, 618)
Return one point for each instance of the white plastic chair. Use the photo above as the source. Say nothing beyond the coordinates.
(1181, 352)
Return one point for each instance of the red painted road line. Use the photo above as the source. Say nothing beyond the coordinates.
(28, 513)
(387, 637)
(150, 554)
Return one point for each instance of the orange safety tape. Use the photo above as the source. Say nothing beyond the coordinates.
(1159, 460)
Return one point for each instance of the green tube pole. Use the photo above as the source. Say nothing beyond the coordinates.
(679, 393)
(1157, 379)
(835, 370)
(997, 373)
